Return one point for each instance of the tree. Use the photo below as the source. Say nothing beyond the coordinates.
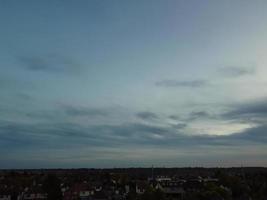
(52, 187)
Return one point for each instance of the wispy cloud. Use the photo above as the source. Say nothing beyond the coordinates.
(33, 138)
(24, 96)
(177, 83)
(235, 71)
(255, 134)
(58, 135)
(254, 111)
(199, 115)
(147, 115)
(84, 111)
(174, 117)
(50, 63)
(56, 131)
(179, 125)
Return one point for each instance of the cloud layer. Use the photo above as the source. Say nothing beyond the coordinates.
(50, 64)
(237, 71)
(176, 83)
(128, 84)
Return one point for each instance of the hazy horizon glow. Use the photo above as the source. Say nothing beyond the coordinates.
(128, 84)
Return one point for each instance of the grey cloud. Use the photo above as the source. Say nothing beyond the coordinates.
(130, 132)
(198, 115)
(253, 111)
(62, 112)
(50, 63)
(16, 135)
(179, 125)
(15, 84)
(176, 83)
(59, 135)
(257, 134)
(43, 115)
(56, 132)
(85, 111)
(174, 117)
(147, 115)
(254, 135)
(143, 134)
(43, 135)
(62, 135)
(24, 96)
(35, 63)
(237, 71)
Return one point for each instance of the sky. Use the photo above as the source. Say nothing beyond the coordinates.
(104, 84)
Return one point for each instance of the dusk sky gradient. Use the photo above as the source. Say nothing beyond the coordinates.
(102, 83)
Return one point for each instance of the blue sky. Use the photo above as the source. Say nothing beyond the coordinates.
(133, 83)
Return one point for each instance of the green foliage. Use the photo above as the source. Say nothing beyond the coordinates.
(211, 191)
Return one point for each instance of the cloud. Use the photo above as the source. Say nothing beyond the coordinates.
(199, 115)
(174, 117)
(15, 84)
(253, 111)
(257, 134)
(43, 135)
(49, 64)
(57, 126)
(24, 96)
(58, 135)
(176, 83)
(85, 111)
(236, 71)
(147, 115)
(63, 136)
(179, 126)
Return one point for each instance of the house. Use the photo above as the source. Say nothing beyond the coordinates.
(34, 193)
(5, 197)
(163, 178)
(34, 196)
(79, 191)
(140, 187)
(172, 189)
(5, 192)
